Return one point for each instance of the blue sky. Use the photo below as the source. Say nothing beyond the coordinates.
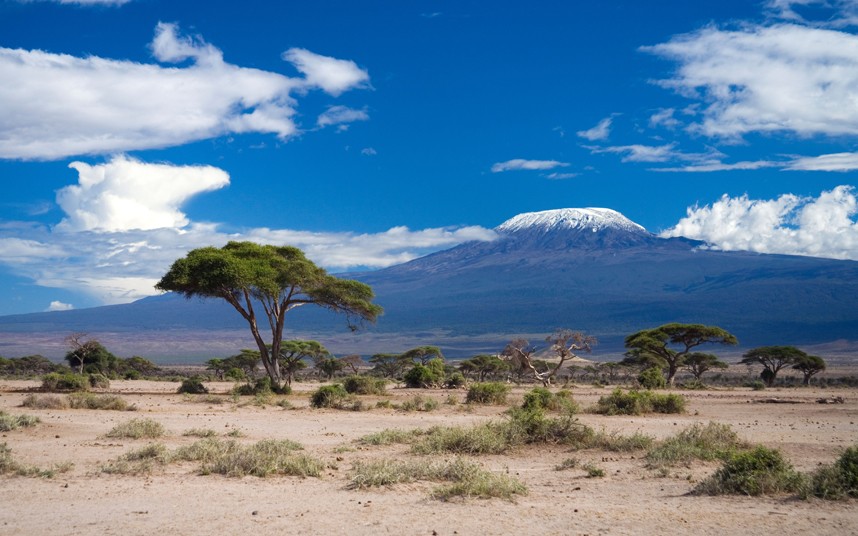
(369, 133)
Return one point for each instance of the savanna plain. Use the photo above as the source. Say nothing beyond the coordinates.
(365, 470)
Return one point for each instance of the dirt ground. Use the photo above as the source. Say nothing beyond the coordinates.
(629, 499)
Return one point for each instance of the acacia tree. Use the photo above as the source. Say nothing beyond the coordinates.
(274, 279)
(773, 359)
(293, 353)
(653, 346)
(809, 365)
(564, 344)
(483, 365)
(87, 351)
(423, 354)
(698, 362)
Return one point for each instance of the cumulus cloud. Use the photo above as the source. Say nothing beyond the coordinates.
(518, 164)
(824, 226)
(60, 306)
(336, 115)
(780, 78)
(66, 105)
(599, 132)
(126, 194)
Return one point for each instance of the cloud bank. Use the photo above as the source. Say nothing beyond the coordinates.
(60, 105)
(824, 226)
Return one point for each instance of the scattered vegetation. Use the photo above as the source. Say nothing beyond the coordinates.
(487, 393)
(64, 382)
(329, 396)
(365, 385)
(12, 422)
(639, 402)
(593, 471)
(199, 432)
(137, 429)
(138, 461)
(759, 471)
(9, 466)
(467, 479)
(616, 442)
(92, 401)
(261, 459)
(540, 398)
(419, 403)
(652, 378)
(193, 386)
(390, 436)
(713, 441)
(45, 402)
(568, 463)
(837, 481)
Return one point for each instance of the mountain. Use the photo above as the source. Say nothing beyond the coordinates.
(590, 269)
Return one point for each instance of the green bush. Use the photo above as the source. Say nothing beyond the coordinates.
(192, 386)
(329, 396)
(262, 387)
(455, 381)
(639, 403)
(542, 398)
(11, 422)
(98, 381)
(64, 382)
(365, 385)
(713, 441)
(837, 481)
(760, 471)
(652, 378)
(423, 377)
(420, 403)
(487, 393)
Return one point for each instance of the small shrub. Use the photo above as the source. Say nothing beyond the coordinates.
(652, 378)
(384, 404)
(568, 463)
(329, 396)
(593, 471)
(390, 436)
(455, 381)
(488, 438)
(364, 385)
(487, 393)
(139, 461)
(419, 403)
(106, 402)
(199, 432)
(451, 400)
(261, 459)
(422, 377)
(543, 399)
(13, 422)
(837, 481)
(193, 386)
(98, 381)
(713, 441)
(137, 429)
(64, 382)
(694, 385)
(639, 402)
(669, 403)
(756, 385)
(615, 442)
(760, 471)
(45, 402)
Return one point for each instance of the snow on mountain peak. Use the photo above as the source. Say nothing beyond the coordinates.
(594, 219)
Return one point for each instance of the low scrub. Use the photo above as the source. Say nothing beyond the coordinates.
(137, 429)
(193, 386)
(636, 402)
(261, 387)
(9, 466)
(199, 432)
(837, 481)
(759, 471)
(713, 441)
(260, 459)
(92, 401)
(543, 399)
(139, 461)
(329, 396)
(12, 422)
(467, 479)
(615, 442)
(45, 402)
(64, 382)
(419, 403)
(488, 393)
(390, 436)
(365, 385)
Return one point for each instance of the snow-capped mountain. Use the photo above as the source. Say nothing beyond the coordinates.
(582, 219)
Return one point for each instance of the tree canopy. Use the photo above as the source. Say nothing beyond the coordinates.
(809, 366)
(773, 359)
(653, 346)
(275, 279)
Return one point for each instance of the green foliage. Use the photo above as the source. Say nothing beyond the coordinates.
(542, 399)
(809, 366)
(64, 382)
(698, 363)
(423, 354)
(389, 365)
(483, 366)
(12, 422)
(455, 380)
(773, 359)
(419, 403)
(98, 381)
(105, 402)
(425, 376)
(616, 442)
(838, 481)
(487, 393)
(593, 471)
(714, 441)
(639, 402)
(261, 387)
(365, 385)
(137, 429)
(193, 386)
(30, 365)
(652, 378)
(760, 471)
(329, 396)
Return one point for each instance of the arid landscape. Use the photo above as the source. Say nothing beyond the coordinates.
(628, 497)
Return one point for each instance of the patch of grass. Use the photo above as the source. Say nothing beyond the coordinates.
(568, 463)
(384, 404)
(235, 432)
(137, 429)
(419, 403)
(713, 441)
(493, 393)
(636, 402)
(365, 385)
(452, 400)
(468, 479)
(8, 465)
(105, 402)
(12, 422)
(139, 461)
(760, 471)
(285, 404)
(390, 436)
(837, 481)
(488, 438)
(214, 400)
(261, 459)
(199, 432)
(63, 382)
(615, 442)
(593, 471)
(329, 396)
(45, 402)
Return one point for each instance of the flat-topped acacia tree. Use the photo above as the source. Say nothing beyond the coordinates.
(276, 279)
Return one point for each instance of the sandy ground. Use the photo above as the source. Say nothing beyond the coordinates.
(630, 499)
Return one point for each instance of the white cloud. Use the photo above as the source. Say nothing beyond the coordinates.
(721, 166)
(656, 153)
(560, 176)
(336, 115)
(368, 151)
(334, 76)
(65, 105)
(826, 162)
(60, 306)
(824, 226)
(665, 118)
(518, 164)
(781, 78)
(15, 250)
(833, 13)
(599, 132)
(126, 194)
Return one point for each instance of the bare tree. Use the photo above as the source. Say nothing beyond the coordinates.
(564, 343)
(80, 349)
